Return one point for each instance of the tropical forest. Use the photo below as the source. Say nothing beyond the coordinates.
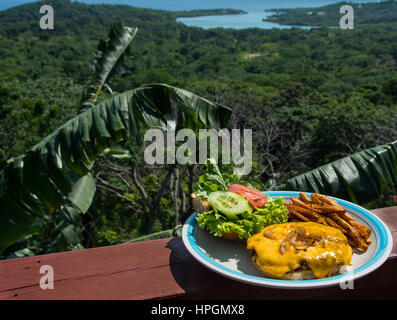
(76, 101)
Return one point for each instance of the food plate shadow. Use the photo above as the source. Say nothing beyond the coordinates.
(188, 274)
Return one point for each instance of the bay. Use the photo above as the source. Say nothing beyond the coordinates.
(253, 18)
(235, 21)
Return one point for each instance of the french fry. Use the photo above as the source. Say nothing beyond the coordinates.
(352, 232)
(316, 199)
(347, 217)
(332, 223)
(326, 208)
(326, 211)
(329, 201)
(298, 215)
(304, 197)
(364, 231)
(324, 199)
(302, 204)
(324, 221)
(306, 212)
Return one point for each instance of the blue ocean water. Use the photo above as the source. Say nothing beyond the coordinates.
(250, 20)
(255, 9)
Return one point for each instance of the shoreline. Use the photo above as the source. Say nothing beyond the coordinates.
(206, 13)
(330, 15)
(256, 19)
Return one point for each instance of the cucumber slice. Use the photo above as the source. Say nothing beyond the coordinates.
(229, 203)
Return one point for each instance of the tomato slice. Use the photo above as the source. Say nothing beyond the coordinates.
(255, 198)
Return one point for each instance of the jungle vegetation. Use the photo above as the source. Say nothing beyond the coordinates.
(311, 97)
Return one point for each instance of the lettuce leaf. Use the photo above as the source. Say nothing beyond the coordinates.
(213, 180)
(273, 212)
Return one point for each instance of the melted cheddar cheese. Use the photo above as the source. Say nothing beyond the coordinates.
(320, 256)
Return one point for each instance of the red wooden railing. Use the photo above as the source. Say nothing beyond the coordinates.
(164, 269)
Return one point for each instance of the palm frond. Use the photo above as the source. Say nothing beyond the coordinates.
(360, 178)
(57, 170)
(109, 57)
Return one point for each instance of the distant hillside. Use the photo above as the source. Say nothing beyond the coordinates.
(309, 96)
(42, 72)
(78, 18)
(367, 13)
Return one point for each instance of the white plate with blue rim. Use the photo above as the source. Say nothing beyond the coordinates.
(231, 258)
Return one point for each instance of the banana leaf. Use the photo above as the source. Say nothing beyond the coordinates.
(359, 178)
(109, 57)
(56, 171)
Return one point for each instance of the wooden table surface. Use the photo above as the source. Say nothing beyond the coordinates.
(163, 269)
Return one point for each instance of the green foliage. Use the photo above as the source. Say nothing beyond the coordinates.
(310, 96)
(56, 171)
(216, 223)
(175, 232)
(38, 182)
(361, 177)
(109, 58)
(365, 13)
(213, 180)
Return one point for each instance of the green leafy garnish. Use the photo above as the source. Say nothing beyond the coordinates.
(273, 212)
(213, 180)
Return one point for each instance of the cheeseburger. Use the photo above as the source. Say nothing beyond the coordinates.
(300, 250)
